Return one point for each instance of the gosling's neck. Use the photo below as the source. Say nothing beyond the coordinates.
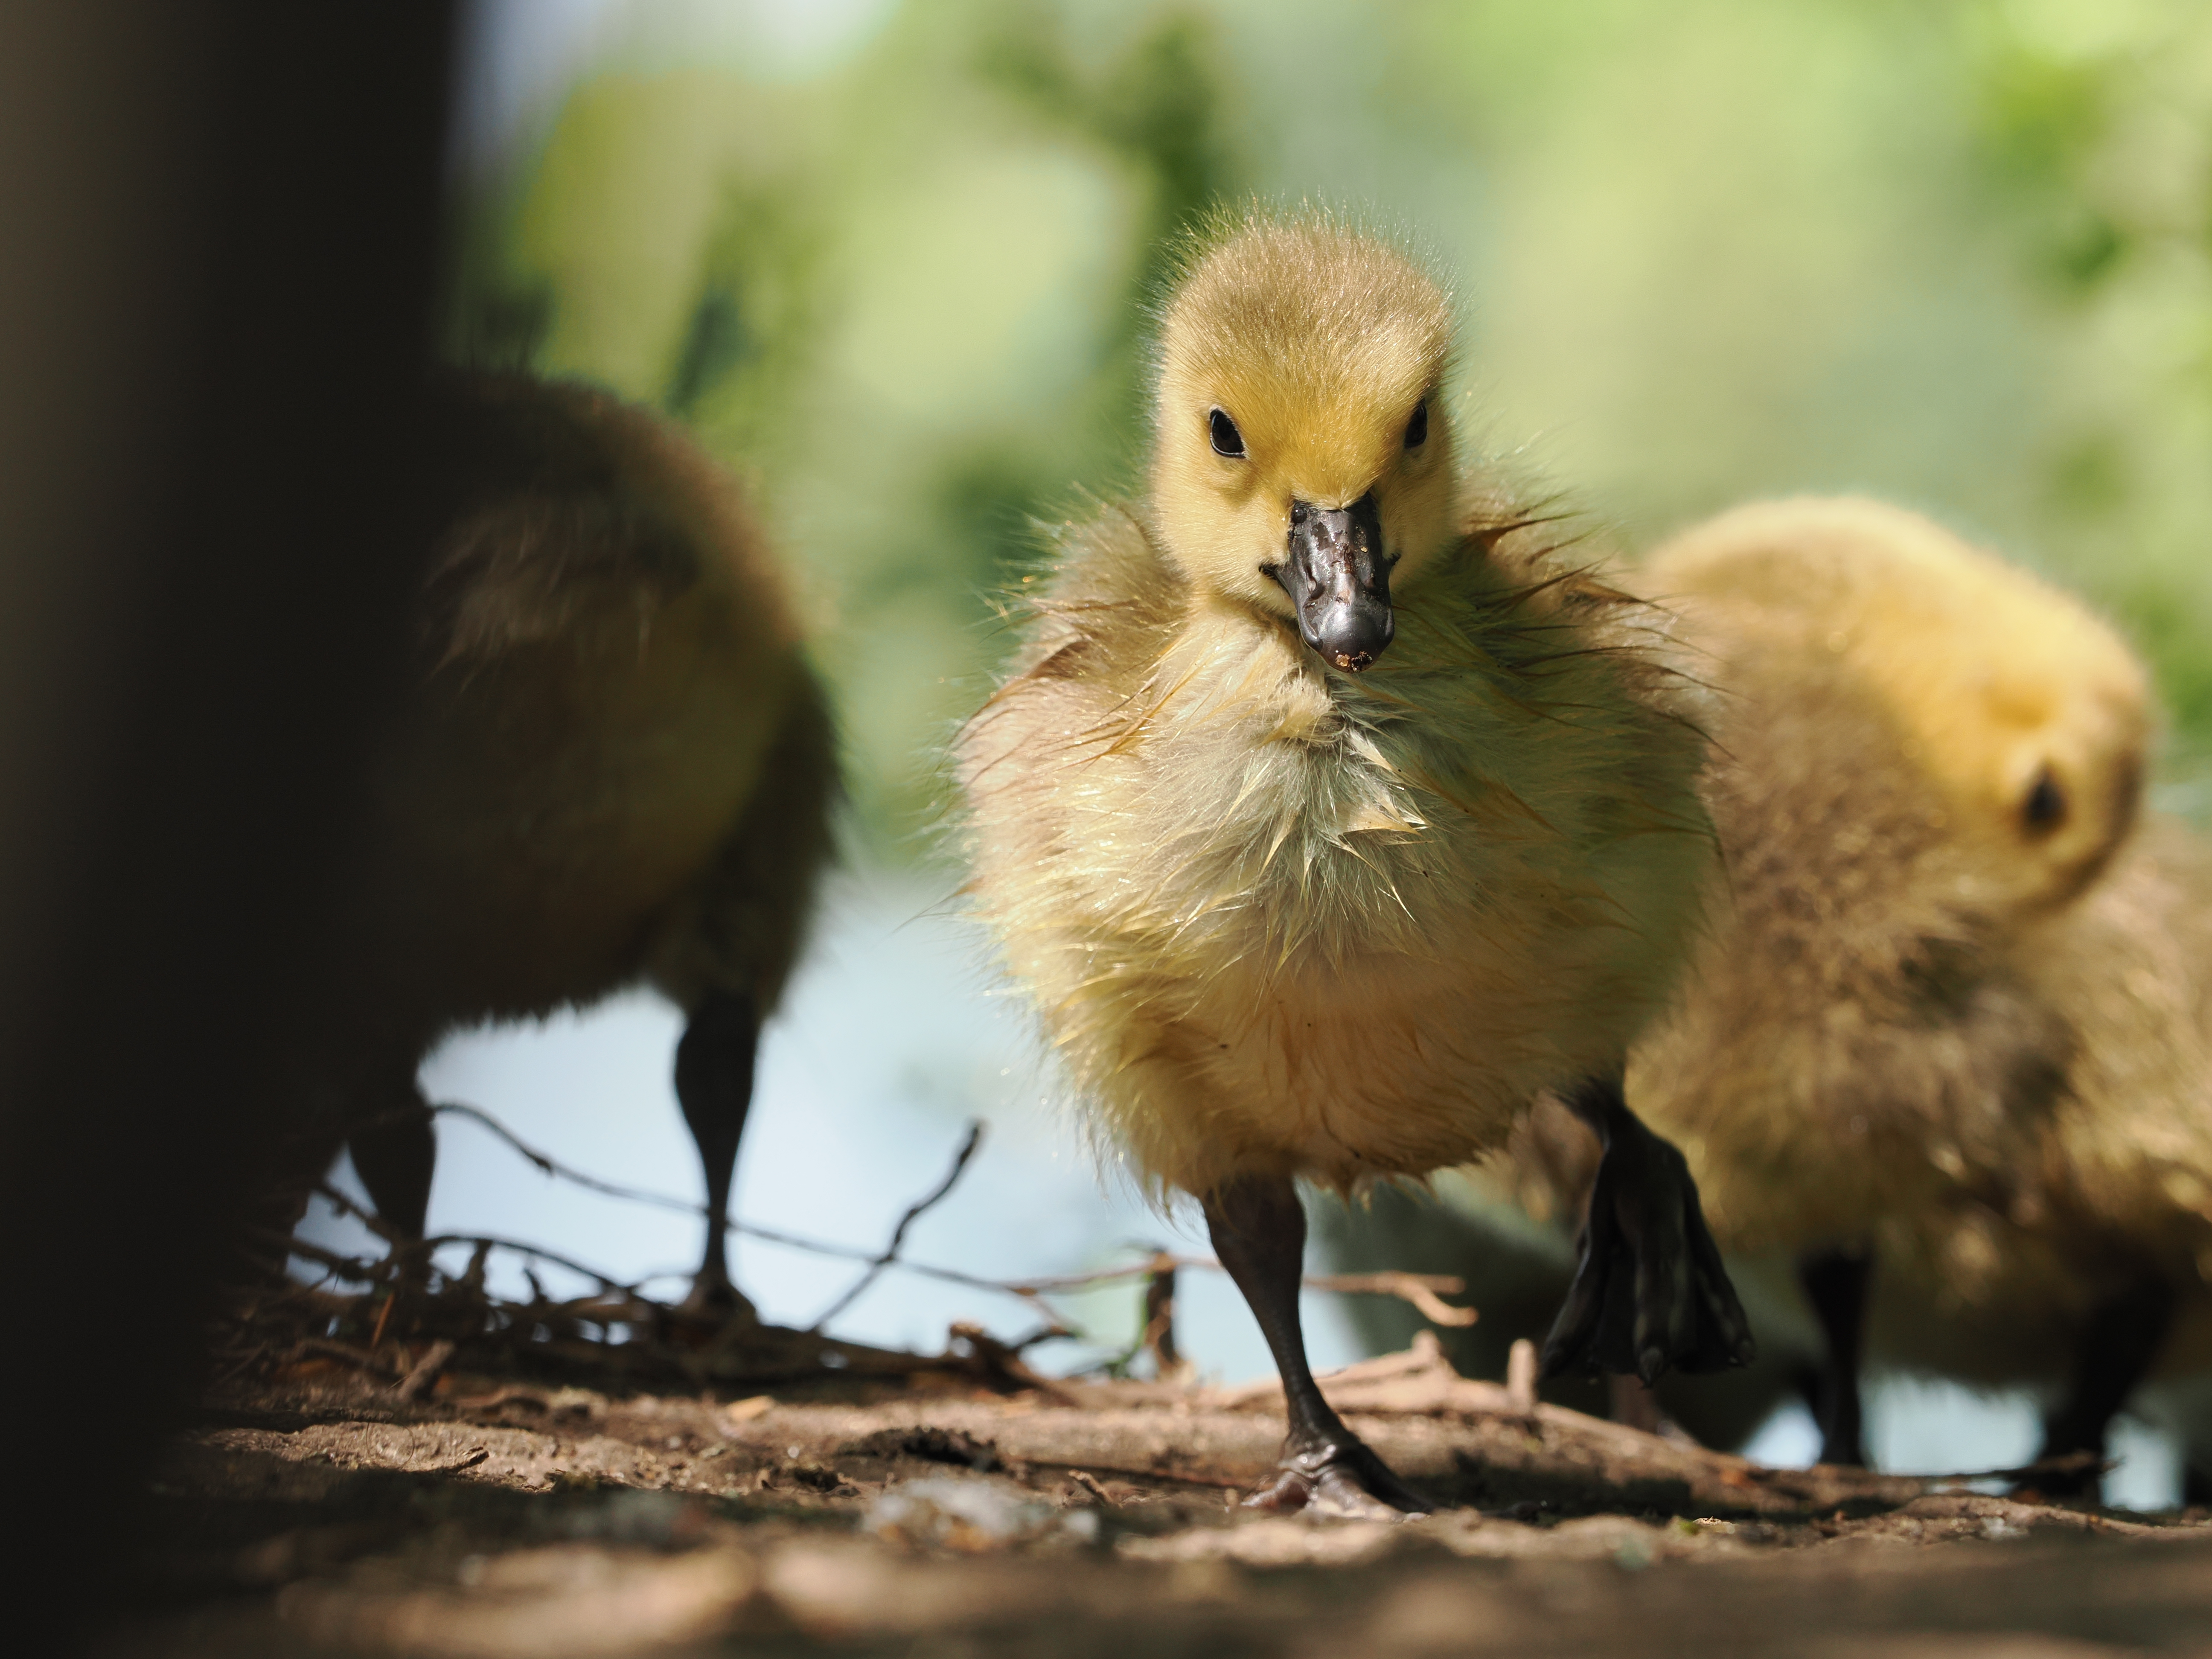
(1232, 661)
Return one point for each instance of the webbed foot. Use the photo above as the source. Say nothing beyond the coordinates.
(1651, 1291)
(1340, 1476)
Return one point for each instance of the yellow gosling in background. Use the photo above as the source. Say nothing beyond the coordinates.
(1919, 751)
(1329, 817)
(1923, 757)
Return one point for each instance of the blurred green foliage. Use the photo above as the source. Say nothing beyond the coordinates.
(1706, 249)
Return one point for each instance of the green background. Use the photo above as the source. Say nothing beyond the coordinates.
(1955, 254)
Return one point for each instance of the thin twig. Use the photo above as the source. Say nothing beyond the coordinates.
(553, 1166)
(2073, 1462)
(480, 1241)
(1418, 1289)
(914, 1211)
(424, 1371)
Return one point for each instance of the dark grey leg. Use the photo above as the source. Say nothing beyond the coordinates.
(1260, 1233)
(2116, 1351)
(1836, 1283)
(396, 1154)
(1650, 1291)
(714, 1084)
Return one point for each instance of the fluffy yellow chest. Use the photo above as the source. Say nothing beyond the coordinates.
(1276, 926)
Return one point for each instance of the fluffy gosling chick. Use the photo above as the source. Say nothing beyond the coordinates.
(611, 764)
(1920, 755)
(1329, 818)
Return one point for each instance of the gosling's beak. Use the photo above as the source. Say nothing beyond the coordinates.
(1339, 581)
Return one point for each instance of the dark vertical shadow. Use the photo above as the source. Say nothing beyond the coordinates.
(218, 221)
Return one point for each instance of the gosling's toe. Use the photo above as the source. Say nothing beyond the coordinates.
(1339, 1477)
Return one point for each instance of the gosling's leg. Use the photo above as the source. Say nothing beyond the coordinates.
(395, 1153)
(2123, 1339)
(1259, 1232)
(714, 1085)
(1650, 1291)
(1836, 1283)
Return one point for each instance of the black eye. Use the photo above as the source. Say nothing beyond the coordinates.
(1227, 439)
(2044, 807)
(1416, 429)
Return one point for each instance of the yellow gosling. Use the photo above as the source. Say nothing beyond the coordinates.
(1329, 816)
(1923, 757)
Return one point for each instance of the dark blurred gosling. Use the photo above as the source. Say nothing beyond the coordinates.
(611, 766)
(1329, 816)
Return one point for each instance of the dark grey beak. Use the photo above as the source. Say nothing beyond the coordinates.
(1339, 581)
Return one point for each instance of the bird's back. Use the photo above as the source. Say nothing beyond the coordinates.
(603, 665)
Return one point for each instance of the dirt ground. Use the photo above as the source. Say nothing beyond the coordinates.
(321, 1512)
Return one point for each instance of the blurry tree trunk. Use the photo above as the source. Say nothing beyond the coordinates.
(216, 245)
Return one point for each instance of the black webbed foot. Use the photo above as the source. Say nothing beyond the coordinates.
(1337, 1475)
(1651, 1291)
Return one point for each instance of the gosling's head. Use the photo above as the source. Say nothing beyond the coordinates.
(2029, 715)
(1301, 453)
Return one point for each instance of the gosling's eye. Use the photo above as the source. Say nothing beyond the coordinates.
(2043, 808)
(1227, 439)
(1416, 429)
